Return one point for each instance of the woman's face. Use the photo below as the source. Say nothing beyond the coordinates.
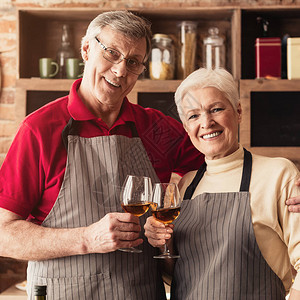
(211, 122)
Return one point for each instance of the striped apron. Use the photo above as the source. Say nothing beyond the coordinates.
(96, 169)
(219, 256)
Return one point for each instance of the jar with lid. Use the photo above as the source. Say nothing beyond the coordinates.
(187, 44)
(162, 58)
(213, 50)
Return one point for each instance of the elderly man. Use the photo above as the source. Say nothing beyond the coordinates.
(59, 195)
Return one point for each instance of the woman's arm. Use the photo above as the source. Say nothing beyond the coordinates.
(294, 294)
(294, 202)
(158, 235)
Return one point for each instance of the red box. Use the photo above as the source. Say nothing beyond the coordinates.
(268, 57)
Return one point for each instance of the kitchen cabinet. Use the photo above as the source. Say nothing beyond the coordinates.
(40, 33)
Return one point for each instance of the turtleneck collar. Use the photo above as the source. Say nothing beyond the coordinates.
(226, 163)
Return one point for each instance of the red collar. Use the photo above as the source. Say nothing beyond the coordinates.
(80, 112)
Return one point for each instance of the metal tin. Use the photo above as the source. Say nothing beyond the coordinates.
(293, 58)
(268, 57)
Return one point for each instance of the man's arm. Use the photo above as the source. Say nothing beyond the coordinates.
(24, 240)
(294, 202)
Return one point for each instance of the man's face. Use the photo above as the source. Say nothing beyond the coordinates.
(104, 83)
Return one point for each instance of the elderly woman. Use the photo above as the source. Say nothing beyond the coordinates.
(235, 236)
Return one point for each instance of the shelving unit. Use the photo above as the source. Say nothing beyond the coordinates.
(271, 115)
(40, 31)
(282, 20)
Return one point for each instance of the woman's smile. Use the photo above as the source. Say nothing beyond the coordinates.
(209, 136)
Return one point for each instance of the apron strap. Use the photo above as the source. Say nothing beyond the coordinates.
(245, 182)
(72, 129)
(247, 170)
(191, 188)
(133, 129)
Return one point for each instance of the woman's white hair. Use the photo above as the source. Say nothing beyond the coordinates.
(125, 22)
(202, 78)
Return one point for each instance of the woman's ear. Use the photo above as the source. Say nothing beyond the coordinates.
(239, 111)
(85, 49)
(184, 124)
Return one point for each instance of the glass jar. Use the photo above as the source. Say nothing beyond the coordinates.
(162, 58)
(187, 44)
(65, 51)
(213, 50)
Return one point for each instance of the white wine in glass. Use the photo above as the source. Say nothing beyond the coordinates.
(136, 199)
(165, 207)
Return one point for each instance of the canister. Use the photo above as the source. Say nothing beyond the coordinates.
(213, 50)
(162, 58)
(293, 58)
(268, 57)
(187, 44)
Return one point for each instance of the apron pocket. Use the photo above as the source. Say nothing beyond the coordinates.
(97, 286)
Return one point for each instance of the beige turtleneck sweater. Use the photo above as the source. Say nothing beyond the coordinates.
(276, 230)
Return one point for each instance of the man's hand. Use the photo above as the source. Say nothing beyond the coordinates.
(114, 231)
(294, 202)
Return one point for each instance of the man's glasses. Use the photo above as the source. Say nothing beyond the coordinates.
(115, 57)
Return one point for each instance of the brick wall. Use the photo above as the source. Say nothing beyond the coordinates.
(12, 271)
(7, 75)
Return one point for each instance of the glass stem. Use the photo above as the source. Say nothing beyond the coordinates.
(166, 250)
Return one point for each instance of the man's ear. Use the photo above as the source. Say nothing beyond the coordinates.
(85, 49)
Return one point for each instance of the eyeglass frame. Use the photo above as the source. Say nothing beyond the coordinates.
(122, 56)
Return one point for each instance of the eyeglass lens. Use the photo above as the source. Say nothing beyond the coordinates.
(116, 57)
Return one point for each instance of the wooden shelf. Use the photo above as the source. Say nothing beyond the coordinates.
(146, 85)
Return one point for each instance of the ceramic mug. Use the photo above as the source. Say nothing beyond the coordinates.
(74, 68)
(48, 67)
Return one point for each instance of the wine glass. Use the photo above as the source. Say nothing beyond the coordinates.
(136, 199)
(165, 208)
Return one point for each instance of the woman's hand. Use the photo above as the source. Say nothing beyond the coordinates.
(158, 233)
(294, 202)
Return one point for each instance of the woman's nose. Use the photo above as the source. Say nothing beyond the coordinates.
(206, 120)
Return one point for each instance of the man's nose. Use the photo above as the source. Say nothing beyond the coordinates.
(120, 69)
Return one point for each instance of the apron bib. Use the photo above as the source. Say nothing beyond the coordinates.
(95, 171)
(215, 239)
